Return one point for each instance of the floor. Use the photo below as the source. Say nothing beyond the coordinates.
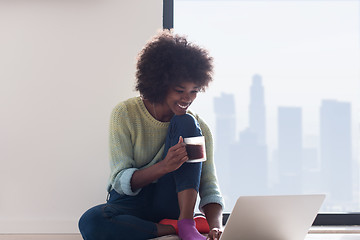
(78, 237)
(40, 237)
(315, 233)
(59, 237)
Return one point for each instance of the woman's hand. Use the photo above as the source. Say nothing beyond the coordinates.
(175, 156)
(214, 234)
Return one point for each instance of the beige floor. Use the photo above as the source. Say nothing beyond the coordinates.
(313, 236)
(40, 237)
(59, 237)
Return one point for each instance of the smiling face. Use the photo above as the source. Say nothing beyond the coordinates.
(180, 97)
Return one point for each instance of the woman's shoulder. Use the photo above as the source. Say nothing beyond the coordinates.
(126, 109)
(127, 105)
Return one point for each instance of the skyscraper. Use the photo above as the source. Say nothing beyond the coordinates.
(336, 150)
(257, 110)
(290, 149)
(249, 155)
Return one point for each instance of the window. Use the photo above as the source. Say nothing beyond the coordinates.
(285, 103)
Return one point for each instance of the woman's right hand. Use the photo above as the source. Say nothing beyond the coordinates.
(175, 156)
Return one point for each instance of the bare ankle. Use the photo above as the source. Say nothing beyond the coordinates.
(165, 229)
(186, 216)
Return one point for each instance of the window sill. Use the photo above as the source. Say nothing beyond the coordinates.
(335, 229)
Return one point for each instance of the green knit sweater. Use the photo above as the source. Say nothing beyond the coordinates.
(137, 141)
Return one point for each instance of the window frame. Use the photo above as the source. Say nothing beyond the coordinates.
(322, 219)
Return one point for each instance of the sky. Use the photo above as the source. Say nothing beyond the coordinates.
(305, 51)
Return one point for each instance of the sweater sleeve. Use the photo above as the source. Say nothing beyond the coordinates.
(209, 186)
(121, 152)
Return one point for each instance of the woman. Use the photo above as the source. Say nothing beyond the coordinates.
(152, 189)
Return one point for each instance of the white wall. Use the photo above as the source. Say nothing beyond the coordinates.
(63, 66)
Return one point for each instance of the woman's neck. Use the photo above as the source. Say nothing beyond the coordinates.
(159, 111)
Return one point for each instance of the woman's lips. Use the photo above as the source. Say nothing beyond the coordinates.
(183, 106)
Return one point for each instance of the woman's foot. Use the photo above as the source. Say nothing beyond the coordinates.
(201, 224)
(170, 222)
(188, 231)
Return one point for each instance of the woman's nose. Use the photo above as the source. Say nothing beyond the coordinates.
(186, 97)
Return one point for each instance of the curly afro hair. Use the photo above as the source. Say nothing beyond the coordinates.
(167, 60)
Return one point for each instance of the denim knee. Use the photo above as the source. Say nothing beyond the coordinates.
(181, 125)
(185, 125)
(98, 223)
(90, 224)
(184, 118)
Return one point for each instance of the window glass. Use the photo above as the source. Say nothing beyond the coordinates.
(284, 105)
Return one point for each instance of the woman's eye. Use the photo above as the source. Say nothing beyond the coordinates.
(179, 91)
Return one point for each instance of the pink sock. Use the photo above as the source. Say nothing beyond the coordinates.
(188, 231)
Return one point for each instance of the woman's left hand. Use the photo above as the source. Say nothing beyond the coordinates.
(214, 234)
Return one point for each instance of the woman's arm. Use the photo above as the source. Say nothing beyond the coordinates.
(211, 203)
(213, 214)
(209, 186)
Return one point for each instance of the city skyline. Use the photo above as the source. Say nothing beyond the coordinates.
(291, 168)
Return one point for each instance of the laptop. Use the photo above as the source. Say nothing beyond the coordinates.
(287, 217)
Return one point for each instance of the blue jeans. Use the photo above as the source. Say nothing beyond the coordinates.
(134, 217)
